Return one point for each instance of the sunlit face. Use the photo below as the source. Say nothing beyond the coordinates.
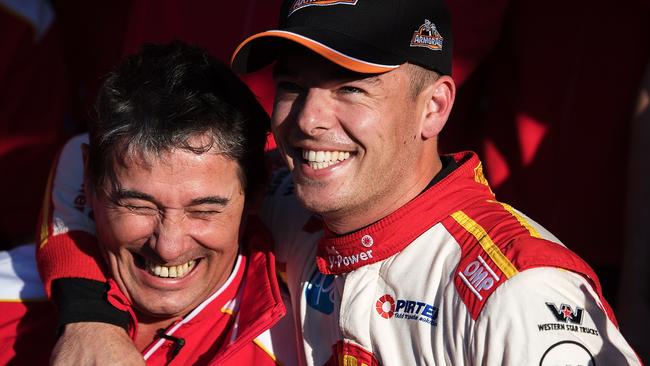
(350, 140)
(169, 228)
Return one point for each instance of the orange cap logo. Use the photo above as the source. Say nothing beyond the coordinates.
(427, 36)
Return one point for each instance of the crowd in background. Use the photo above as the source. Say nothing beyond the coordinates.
(552, 96)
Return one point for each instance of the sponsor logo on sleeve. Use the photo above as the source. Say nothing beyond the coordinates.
(478, 276)
(565, 313)
(567, 318)
(427, 36)
(299, 4)
(567, 353)
(319, 292)
(387, 307)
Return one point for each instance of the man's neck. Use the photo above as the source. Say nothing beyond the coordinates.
(350, 221)
(148, 329)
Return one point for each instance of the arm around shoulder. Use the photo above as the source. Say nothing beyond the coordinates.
(95, 344)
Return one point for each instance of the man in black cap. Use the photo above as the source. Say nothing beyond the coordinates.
(403, 256)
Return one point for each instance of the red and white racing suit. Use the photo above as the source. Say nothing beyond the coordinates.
(454, 277)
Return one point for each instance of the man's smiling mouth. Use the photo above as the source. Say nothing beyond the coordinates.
(177, 271)
(323, 159)
(159, 270)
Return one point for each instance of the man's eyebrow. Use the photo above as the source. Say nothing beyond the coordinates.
(130, 193)
(210, 200)
(121, 194)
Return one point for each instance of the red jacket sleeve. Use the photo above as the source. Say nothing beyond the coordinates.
(66, 243)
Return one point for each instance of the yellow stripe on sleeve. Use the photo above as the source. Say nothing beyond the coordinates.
(45, 208)
(486, 242)
(522, 220)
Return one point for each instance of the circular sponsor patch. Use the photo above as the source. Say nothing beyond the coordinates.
(567, 353)
(385, 306)
(367, 241)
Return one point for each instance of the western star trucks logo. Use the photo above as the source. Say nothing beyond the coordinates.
(387, 307)
(427, 36)
(567, 318)
(566, 313)
(299, 4)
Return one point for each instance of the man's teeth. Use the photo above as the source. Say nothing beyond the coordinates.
(323, 159)
(170, 271)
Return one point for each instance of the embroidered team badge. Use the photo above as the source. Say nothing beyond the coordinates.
(387, 307)
(567, 319)
(299, 4)
(566, 313)
(427, 36)
(478, 277)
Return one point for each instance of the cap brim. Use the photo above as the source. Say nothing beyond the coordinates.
(261, 49)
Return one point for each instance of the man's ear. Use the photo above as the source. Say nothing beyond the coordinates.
(439, 99)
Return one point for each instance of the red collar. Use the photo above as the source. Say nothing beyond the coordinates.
(393, 233)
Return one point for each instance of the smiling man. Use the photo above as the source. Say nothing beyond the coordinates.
(174, 160)
(168, 225)
(395, 254)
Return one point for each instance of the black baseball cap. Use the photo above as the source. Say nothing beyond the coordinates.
(366, 36)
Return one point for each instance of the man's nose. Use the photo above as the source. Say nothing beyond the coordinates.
(170, 237)
(315, 114)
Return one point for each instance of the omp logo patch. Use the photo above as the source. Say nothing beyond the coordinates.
(299, 4)
(478, 276)
(319, 294)
(388, 308)
(565, 313)
(427, 36)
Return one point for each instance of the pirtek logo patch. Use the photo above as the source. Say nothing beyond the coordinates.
(387, 307)
(566, 313)
(427, 36)
(299, 4)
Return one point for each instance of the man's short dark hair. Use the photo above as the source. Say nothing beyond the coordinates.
(420, 78)
(165, 95)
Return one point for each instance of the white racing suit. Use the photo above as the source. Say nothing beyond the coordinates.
(452, 278)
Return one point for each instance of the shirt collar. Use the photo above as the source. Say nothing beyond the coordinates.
(388, 236)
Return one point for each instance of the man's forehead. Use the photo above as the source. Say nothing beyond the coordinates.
(174, 176)
(133, 154)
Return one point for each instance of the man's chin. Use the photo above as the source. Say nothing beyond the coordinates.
(160, 310)
(319, 201)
